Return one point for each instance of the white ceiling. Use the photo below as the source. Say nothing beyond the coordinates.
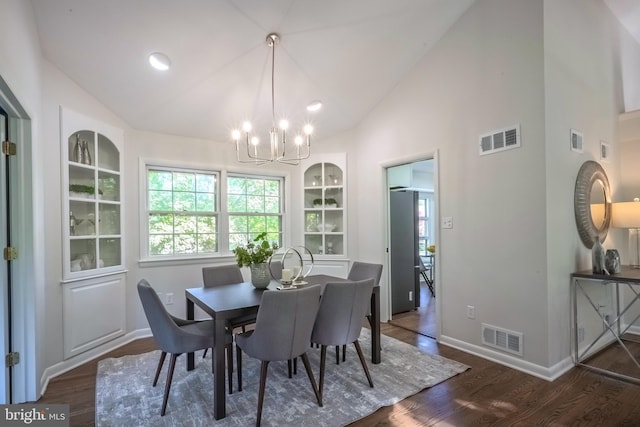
(347, 53)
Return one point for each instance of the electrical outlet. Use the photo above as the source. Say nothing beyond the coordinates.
(471, 312)
(447, 222)
(580, 333)
(169, 298)
(410, 295)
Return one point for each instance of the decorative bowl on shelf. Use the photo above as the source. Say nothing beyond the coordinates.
(326, 227)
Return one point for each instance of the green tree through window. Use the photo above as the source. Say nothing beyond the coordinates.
(182, 212)
(254, 205)
(186, 216)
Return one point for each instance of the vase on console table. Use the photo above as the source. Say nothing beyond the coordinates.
(598, 257)
(612, 261)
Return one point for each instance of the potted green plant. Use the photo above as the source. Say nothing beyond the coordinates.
(81, 189)
(330, 202)
(255, 255)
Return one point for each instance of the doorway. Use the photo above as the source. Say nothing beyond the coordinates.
(412, 230)
(5, 269)
(19, 271)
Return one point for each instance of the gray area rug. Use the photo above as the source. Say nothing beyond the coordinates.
(125, 397)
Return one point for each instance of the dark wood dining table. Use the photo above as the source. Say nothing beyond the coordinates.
(229, 301)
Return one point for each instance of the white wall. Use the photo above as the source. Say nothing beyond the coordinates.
(486, 73)
(583, 92)
(20, 69)
(629, 137)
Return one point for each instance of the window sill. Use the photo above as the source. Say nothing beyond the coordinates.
(172, 261)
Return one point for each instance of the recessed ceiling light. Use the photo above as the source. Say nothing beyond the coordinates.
(314, 105)
(159, 61)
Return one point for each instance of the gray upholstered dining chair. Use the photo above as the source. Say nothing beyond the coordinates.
(275, 268)
(424, 272)
(283, 330)
(361, 271)
(176, 336)
(364, 270)
(339, 320)
(220, 275)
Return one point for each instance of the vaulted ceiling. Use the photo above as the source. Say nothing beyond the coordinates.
(347, 53)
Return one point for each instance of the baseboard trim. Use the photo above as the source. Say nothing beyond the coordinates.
(72, 363)
(545, 373)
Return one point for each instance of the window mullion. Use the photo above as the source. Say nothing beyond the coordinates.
(223, 218)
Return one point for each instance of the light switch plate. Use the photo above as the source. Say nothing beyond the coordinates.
(447, 222)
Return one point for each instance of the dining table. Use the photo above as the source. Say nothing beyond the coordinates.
(226, 302)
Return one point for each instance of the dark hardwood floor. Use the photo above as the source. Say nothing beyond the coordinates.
(422, 320)
(488, 394)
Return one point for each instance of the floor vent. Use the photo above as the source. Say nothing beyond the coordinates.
(502, 339)
(500, 140)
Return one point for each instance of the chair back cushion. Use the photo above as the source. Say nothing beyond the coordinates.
(365, 270)
(275, 268)
(284, 323)
(342, 310)
(162, 326)
(221, 275)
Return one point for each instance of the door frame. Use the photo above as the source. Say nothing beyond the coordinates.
(434, 155)
(26, 271)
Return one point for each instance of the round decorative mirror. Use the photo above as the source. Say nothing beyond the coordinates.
(592, 203)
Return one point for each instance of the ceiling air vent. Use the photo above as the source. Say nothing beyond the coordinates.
(502, 339)
(500, 140)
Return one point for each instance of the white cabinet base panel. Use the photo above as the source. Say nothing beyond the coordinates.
(94, 313)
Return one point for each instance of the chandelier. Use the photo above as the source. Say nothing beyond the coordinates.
(280, 149)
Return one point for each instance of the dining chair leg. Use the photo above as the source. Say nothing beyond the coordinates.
(307, 366)
(363, 362)
(323, 361)
(205, 353)
(337, 355)
(263, 382)
(344, 352)
(239, 367)
(167, 386)
(163, 355)
(292, 366)
(230, 366)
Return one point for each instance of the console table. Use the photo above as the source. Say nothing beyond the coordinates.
(615, 321)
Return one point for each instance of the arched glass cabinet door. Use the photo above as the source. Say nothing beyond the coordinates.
(92, 217)
(325, 209)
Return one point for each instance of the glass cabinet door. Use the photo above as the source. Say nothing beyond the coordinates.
(92, 226)
(324, 209)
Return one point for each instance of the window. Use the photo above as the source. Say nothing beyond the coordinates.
(425, 222)
(254, 205)
(194, 213)
(183, 217)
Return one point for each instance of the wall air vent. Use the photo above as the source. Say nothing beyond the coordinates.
(500, 140)
(502, 339)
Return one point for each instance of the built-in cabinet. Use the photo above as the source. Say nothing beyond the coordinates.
(325, 211)
(92, 232)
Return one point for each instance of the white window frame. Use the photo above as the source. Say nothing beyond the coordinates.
(223, 254)
(253, 176)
